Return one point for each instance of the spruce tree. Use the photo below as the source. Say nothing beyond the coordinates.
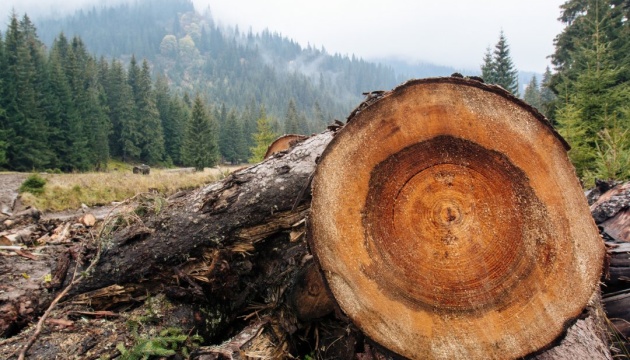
(122, 113)
(292, 119)
(200, 145)
(150, 127)
(263, 137)
(487, 68)
(505, 75)
(591, 88)
(233, 147)
(27, 129)
(547, 96)
(532, 94)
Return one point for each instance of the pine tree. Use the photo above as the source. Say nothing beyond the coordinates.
(125, 134)
(263, 137)
(505, 75)
(589, 83)
(171, 118)
(150, 127)
(547, 96)
(532, 94)
(200, 146)
(291, 119)
(487, 68)
(233, 147)
(24, 77)
(94, 114)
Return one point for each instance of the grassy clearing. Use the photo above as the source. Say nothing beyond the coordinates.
(69, 191)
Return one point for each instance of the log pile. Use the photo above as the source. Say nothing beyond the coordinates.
(610, 206)
(259, 267)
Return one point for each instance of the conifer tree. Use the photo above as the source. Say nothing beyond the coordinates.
(200, 146)
(291, 119)
(263, 137)
(233, 147)
(27, 130)
(125, 134)
(172, 120)
(532, 94)
(594, 97)
(505, 75)
(497, 67)
(547, 96)
(487, 68)
(150, 127)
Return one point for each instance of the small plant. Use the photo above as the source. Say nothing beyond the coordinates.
(169, 342)
(33, 184)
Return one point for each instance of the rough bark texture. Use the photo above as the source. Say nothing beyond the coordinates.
(229, 261)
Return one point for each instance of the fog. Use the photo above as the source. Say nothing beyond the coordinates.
(454, 33)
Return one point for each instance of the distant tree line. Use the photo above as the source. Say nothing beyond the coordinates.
(225, 65)
(64, 109)
(587, 96)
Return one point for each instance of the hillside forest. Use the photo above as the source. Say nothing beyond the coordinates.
(158, 82)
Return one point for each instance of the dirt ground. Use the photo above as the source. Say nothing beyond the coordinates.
(9, 185)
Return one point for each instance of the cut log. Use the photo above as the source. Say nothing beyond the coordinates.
(438, 224)
(234, 255)
(283, 143)
(88, 220)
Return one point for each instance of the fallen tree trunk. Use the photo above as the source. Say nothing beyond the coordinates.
(236, 250)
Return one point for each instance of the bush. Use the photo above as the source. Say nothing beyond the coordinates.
(33, 184)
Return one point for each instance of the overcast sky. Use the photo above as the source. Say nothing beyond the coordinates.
(449, 32)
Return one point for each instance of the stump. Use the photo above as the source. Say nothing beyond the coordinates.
(448, 223)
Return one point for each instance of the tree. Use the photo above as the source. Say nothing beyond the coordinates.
(291, 119)
(497, 67)
(172, 120)
(532, 94)
(592, 90)
(547, 96)
(200, 146)
(125, 135)
(263, 137)
(505, 75)
(233, 146)
(23, 79)
(152, 136)
(487, 68)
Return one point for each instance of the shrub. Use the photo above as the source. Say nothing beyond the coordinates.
(33, 184)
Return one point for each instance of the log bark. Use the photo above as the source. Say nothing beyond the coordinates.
(233, 255)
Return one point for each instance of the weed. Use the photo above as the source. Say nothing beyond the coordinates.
(169, 342)
(33, 184)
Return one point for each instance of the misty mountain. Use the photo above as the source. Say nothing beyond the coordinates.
(231, 67)
(223, 64)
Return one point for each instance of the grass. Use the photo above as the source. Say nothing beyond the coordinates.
(69, 191)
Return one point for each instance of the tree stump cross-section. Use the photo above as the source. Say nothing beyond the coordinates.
(448, 223)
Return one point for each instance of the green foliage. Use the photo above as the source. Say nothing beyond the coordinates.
(169, 342)
(200, 143)
(33, 184)
(593, 89)
(498, 68)
(532, 94)
(263, 137)
(613, 155)
(574, 132)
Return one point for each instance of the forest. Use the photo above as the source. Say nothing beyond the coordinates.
(82, 93)
(73, 105)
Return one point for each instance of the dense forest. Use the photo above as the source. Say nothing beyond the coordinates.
(592, 84)
(224, 64)
(125, 81)
(66, 109)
